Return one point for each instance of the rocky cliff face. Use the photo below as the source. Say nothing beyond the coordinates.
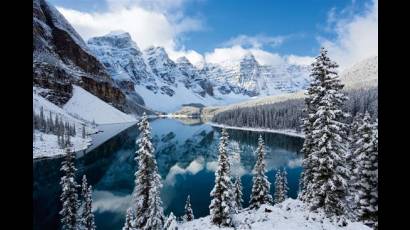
(61, 58)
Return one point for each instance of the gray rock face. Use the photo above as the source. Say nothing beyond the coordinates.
(61, 58)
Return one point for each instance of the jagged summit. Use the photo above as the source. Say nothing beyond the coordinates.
(249, 57)
(156, 75)
(183, 60)
(115, 39)
(118, 33)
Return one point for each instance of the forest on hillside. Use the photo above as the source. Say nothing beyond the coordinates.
(288, 114)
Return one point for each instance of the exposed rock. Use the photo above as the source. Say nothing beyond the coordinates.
(61, 58)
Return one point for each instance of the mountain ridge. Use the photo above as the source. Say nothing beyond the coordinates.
(213, 84)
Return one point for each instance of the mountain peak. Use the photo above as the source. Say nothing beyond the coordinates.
(156, 51)
(119, 39)
(183, 60)
(118, 33)
(248, 57)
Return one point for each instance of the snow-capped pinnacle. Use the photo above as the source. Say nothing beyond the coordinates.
(183, 60)
(116, 39)
(118, 33)
(156, 51)
(249, 57)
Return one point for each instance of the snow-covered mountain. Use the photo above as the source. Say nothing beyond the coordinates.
(363, 74)
(248, 77)
(165, 84)
(61, 58)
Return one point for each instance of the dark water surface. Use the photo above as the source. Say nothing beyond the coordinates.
(186, 153)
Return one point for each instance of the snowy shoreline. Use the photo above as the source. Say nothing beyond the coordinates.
(106, 132)
(288, 132)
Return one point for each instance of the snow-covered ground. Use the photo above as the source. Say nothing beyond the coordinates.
(90, 108)
(289, 215)
(45, 145)
(289, 132)
(81, 109)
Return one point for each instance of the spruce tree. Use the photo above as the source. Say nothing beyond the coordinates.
(352, 163)
(171, 223)
(87, 217)
(281, 186)
(129, 220)
(42, 120)
(56, 127)
(278, 188)
(261, 186)
(83, 132)
(285, 183)
(69, 197)
(189, 213)
(238, 194)
(366, 187)
(147, 201)
(324, 164)
(221, 194)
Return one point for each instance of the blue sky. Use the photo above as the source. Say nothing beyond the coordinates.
(279, 27)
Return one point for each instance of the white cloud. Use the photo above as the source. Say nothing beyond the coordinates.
(357, 36)
(148, 22)
(299, 60)
(193, 168)
(107, 201)
(235, 53)
(255, 42)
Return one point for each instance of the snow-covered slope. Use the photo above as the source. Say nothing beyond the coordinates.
(364, 74)
(165, 85)
(247, 77)
(45, 145)
(290, 214)
(61, 58)
(89, 107)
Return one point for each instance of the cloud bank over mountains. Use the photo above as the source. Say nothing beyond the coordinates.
(163, 23)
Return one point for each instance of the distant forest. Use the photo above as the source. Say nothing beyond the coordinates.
(288, 114)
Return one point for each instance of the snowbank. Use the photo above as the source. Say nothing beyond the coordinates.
(291, 214)
(289, 132)
(89, 107)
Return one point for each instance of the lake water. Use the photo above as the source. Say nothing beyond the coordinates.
(186, 153)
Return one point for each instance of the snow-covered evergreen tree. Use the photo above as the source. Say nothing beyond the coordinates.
(189, 213)
(147, 200)
(83, 132)
(300, 189)
(87, 216)
(69, 196)
(285, 183)
(221, 204)
(238, 194)
(171, 223)
(324, 149)
(261, 186)
(281, 186)
(352, 164)
(129, 220)
(366, 186)
(84, 187)
(42, 120)
(156, 212)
